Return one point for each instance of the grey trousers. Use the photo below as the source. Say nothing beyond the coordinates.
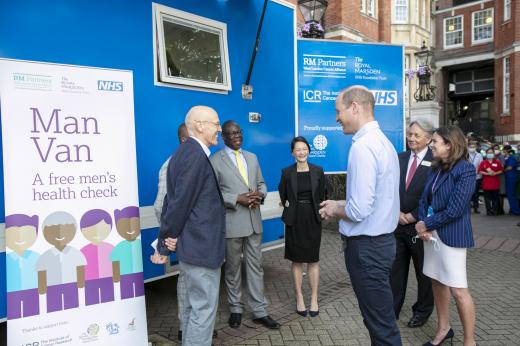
(181, 293)
(250, 247)
(200, 304)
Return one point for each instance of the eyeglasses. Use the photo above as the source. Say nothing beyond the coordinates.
(234, 133)
(215, 123)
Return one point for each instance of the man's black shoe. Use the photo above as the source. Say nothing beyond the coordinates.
(417, 321)
(235, 320)
(215, 334)
(179, 335)
(268, 322)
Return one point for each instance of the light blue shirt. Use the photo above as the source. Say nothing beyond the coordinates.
(21, 271)
(231, 154)
(372, 199)
(129, 256)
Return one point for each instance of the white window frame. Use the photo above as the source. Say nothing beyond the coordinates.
(181, 17)
(371, 8)
(506, 85)
(507, 10)
(485, 40)
(461, 44)
(401, 4)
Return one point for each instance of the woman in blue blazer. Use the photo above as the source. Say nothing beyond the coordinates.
(445, 227)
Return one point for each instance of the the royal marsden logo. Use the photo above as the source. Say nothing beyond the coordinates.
(30, 81)
(131, 324)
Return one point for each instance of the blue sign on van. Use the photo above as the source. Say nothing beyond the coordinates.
(327, 67)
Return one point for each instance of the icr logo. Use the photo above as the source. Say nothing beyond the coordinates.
(311, 95)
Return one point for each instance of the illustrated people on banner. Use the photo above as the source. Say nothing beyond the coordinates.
(21, 232)
(61, 269)
(96, 225)
(127, 263)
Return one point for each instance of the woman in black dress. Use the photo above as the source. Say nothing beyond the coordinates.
(302, 189)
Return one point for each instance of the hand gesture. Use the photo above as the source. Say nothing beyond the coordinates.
(171, 244)
(157, 258)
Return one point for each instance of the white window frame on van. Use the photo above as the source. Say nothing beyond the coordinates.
(163, 13)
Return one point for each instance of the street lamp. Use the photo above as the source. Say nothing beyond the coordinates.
(424, 92)
(312, 11)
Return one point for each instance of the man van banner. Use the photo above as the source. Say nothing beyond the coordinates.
(327, 67)
(73, 250)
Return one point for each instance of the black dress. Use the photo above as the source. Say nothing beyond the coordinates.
(302, 241)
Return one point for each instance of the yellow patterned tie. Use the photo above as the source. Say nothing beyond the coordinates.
(241, 167)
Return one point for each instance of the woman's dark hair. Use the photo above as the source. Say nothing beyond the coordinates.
(453, 136)
(299, 139)
(509, 149)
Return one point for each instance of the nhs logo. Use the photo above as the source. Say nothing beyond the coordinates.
(385, 97)
(107, 85)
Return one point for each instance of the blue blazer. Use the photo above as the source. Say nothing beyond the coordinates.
(193, 209)
(450, 201)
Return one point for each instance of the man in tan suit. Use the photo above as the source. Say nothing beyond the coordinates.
(243, 189)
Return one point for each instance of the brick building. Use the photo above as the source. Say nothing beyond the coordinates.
(356, 20)
(476, 41)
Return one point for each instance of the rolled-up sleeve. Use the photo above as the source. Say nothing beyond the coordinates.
(361, 183)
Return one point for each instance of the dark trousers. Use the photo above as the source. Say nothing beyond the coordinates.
(406, 250)
(474, 199)
(492, 199)
(511, 196)
(369, 262)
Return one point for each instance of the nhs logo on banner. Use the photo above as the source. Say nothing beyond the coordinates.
(107, 85)
(385, 97)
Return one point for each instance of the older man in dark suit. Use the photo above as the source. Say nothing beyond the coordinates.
(415, 168)
(194, 213)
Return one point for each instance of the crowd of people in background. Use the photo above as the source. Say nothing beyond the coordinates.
(497, 178)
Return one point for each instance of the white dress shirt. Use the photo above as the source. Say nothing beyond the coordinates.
(420, 158)
(204, 147)
(372, 199)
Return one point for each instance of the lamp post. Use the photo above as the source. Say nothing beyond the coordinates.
(312, 11)
(424, 92)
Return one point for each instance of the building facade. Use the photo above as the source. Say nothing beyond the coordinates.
(475, 47)
(411, 26)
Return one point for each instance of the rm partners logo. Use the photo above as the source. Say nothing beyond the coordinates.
(32, 81)
(91, 334)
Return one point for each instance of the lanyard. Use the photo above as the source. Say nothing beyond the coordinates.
(435, 181)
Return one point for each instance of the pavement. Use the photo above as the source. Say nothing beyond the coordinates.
(494, 281)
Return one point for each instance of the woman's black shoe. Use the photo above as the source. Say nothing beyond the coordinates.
(448, 335)
(314, 313)
(302, 313)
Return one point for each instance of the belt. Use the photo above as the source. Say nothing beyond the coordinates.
(304, 201)
(363, 236)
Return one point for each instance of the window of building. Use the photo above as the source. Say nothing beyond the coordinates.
(191, 50)
(453, 32)
(482, 26)
(505, 88)
(368, 7)
(401, 11)
(480, 80)
(507, 10)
